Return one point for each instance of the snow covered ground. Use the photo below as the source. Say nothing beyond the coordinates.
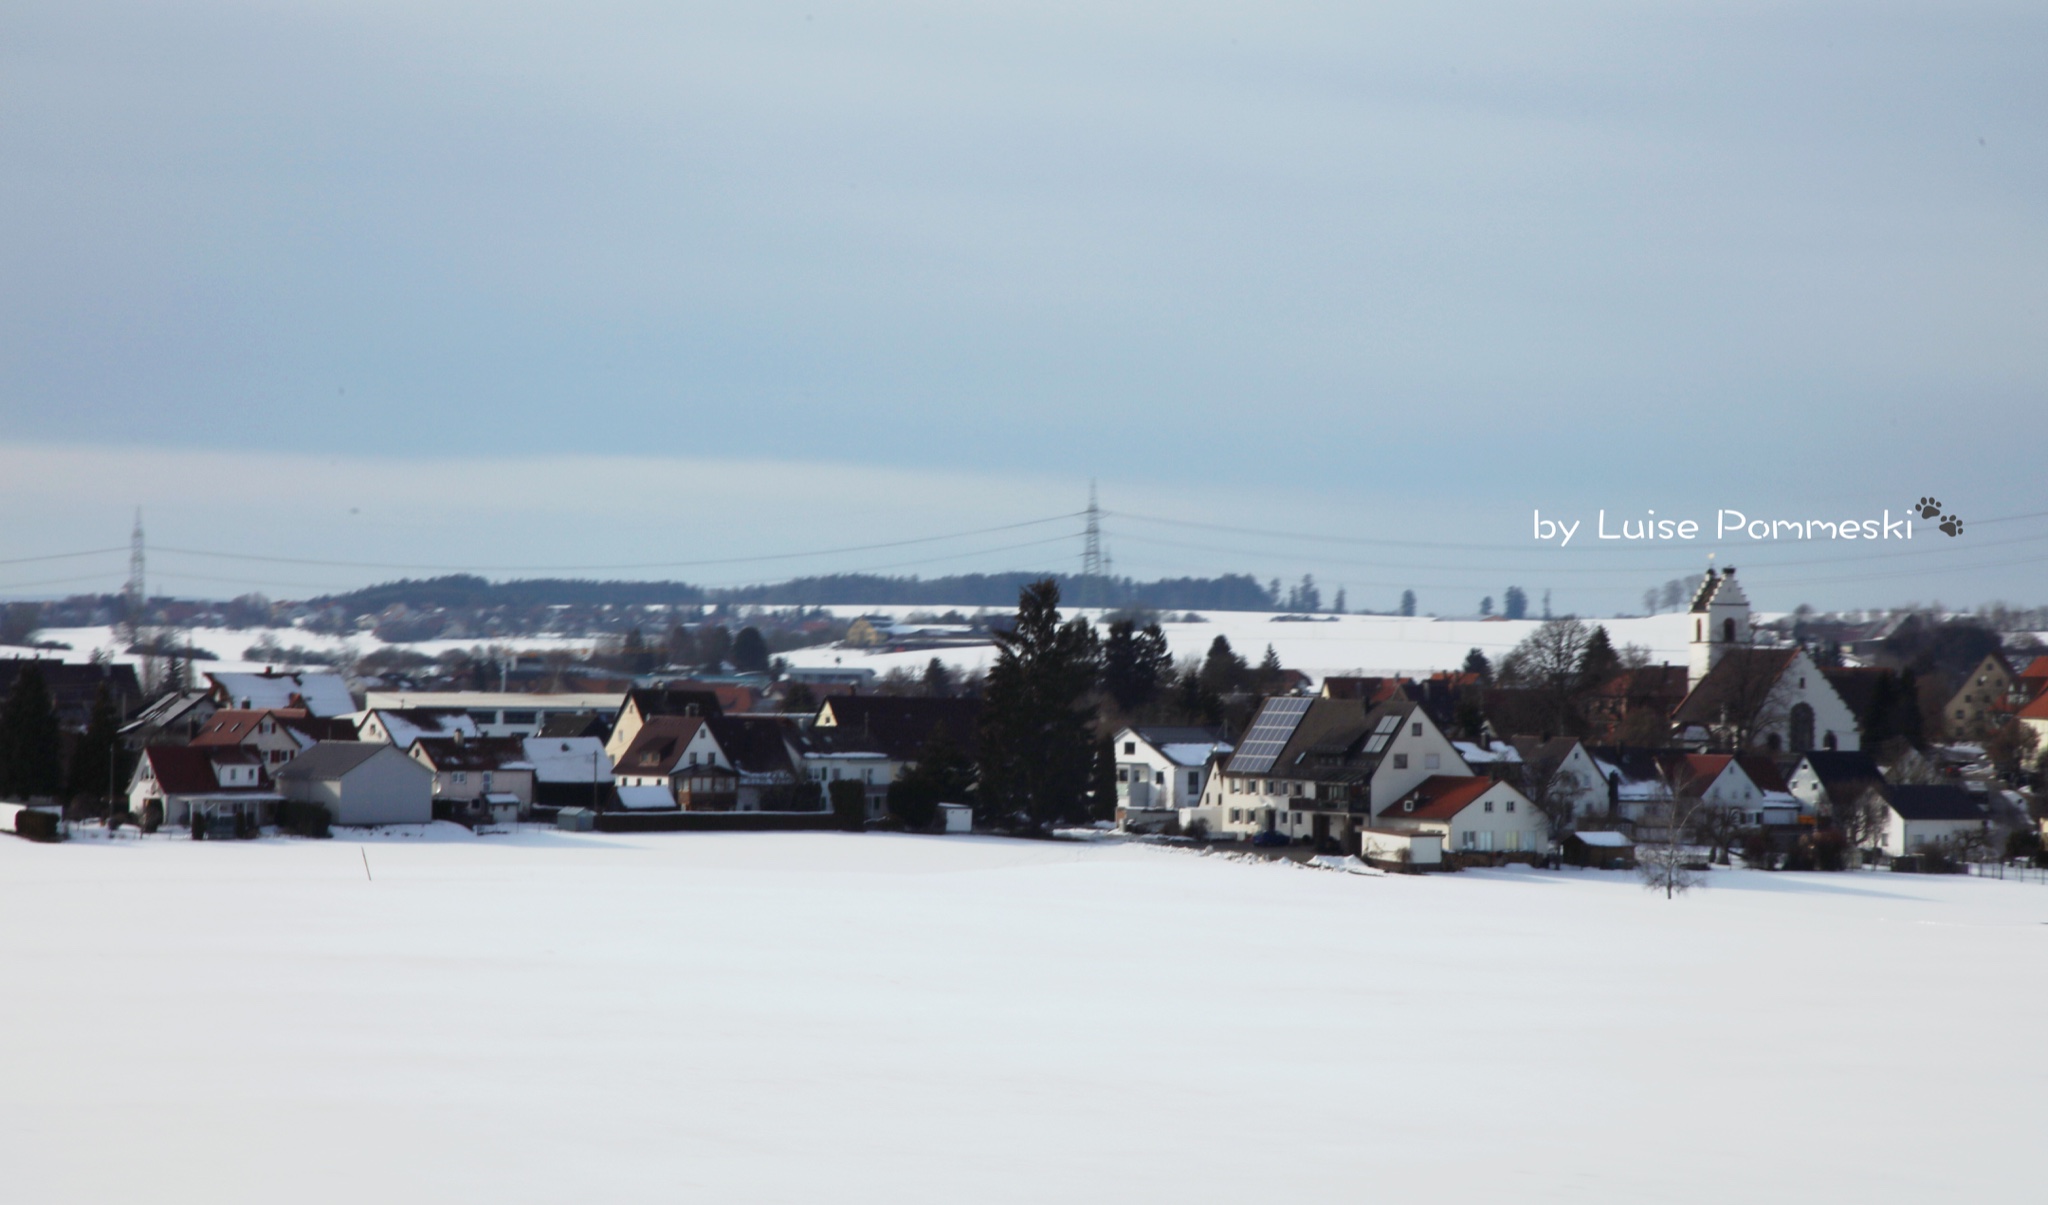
(822, 1017)
(1327, 644)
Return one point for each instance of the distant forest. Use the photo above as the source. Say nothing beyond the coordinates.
(1232, 592)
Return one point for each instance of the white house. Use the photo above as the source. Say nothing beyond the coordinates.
(361, 783)
(220, 782)
(402, 726)
(1321, 768)
(1473, 813)
(1920, 816)
(1162, 769)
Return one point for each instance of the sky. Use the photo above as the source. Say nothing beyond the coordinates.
(673, 286)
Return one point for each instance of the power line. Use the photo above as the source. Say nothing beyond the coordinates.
(734, 560)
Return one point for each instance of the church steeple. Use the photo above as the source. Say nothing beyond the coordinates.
(1720, 621)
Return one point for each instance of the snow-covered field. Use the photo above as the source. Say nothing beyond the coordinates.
(1328, 644)
(822, 1017)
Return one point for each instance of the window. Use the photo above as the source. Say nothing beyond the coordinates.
(1514, 840)
(521, 717)
(1489, 805)
(1415, 729)
(1297, 788)
(487, 780)
(1194, 780)
(1511, 805)
(1159, 778)
(460, 776)
(1130, 746)
(1400, 761)
(1123, 774)
(1432, 761)
(1236, 814)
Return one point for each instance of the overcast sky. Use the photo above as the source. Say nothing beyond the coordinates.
(515, 285)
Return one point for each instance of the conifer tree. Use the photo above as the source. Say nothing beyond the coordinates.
(31, 744)
(94, 763)
(1036, 747)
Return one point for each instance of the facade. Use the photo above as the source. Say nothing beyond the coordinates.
(1830, 783)
(1163, 769)
(1777, 696)
(222, 783)
(1982, 702)
(360, 783)
(872, 739)
(1322, 769)
(1719, 619)
(1918, 817)
(642, 705)
(1473, 814)
(274, 736)
(482, 779)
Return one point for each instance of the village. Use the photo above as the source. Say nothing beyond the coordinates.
(1914, 744)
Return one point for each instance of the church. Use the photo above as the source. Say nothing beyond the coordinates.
(1742, 695)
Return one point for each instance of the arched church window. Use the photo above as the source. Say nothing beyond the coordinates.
(1802, 728)
(1728, 630)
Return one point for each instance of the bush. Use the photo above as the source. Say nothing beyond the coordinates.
(1198, 829)
(38, 826)
(152, 815)
(116, 819)
(1824, 850)
(304, 819)
(850, 804)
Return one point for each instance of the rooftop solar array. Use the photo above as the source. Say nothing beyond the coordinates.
(1269, 734)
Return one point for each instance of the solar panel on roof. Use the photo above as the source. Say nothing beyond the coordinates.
(1388, 723)
(1378, 742)
(1269, 734)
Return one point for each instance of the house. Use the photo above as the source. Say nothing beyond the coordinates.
(1982, 701)
(1324, 769)
(481, 779)
(1917, 817)
(1473, 814)
(322, 693)
(1161, 769)
(2035, 715)
(223, 783)
(763, 751)
(360, 783)
(872, 739)
(1639, 782)
(402, 726)
(1567, 767)
(823, 678)
(1830, 783)
(1741, 693)
(75, 686)
(275, 736)
(499, 712)
(172, 720)
(677, 754)
(643, 704)
(1637, 700)
(2031, 682)
(568, 771)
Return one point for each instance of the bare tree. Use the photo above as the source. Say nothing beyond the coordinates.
(1861, 821)
(1718, 826)
(1548, 664)
(1663, 856)
(1752, 696)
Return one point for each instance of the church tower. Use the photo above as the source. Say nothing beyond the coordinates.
(1720, 621)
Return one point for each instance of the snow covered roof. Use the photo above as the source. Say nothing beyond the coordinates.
(1192, 753)
(646, 799)
(408, 724)
(1474, 755)
(568, 759)
(1606, 839)
(321, 694)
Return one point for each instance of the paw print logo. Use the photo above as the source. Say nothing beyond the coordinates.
(1928, 507)
(1952, 525)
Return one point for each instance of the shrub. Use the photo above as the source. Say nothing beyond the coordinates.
(1198, 829)
(152, 815)
(116, 819)
(850, 803)
(304, 819)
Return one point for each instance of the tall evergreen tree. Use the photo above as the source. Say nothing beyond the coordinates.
(95, 759)
(1135, 664)
(1223, 671)
(31, 744)
(1036, 746)
(750, 651)
(1599, 662)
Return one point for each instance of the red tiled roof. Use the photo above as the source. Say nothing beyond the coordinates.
(188, 770)
(1442, 796)
(2036, 710)
(659, 744)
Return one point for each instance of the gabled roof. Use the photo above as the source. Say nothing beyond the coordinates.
(1441, 797)
(474, 753)
(1335, 740)
(189, 769)
(233, 726)
(1183, 746)
(1742, 677)
(579, 759)
(1718, 589)
(1832, 766)
(755, 744)
(898, 727)
(1763, 771)
(2037, 668)
(332, 759)
(1936, 801)
(659, 745)
(409, 724)
(2036, 710)
(652, 701)
(322, 694)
